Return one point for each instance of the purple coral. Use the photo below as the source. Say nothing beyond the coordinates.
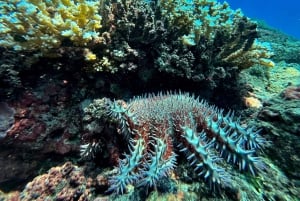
(291, 92)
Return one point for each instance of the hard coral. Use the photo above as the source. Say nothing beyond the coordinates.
(189, 39)
(132, 29)
(213, 44)
(154, 125)
(252, 102)
(60, 183)
(217, 25)
(42, 25)
(291, 92)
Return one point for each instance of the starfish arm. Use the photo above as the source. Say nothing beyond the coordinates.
(126, 170)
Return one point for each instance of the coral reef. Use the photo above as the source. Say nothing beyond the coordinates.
(131, 32)
(154, 125)
(199, 40)
(215, 39)
(43, 25)
(285, 48)
(57, 56)
(66, 182)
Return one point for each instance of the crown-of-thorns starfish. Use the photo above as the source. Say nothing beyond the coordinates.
(156, 124)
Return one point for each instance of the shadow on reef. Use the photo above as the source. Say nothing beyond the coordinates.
(226, 92)
(19, 165)
(48, 105)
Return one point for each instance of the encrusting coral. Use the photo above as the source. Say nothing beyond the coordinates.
(66, 182)
(155, 125)
(41, 25)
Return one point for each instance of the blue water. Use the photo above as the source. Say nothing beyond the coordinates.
(282, 15)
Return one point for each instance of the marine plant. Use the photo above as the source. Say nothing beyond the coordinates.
(159, 127)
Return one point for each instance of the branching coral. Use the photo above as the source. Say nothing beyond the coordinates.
(132, 30)
(191, 39)
(156, 124)
(42, 25)
(199, 18)
(215, 36)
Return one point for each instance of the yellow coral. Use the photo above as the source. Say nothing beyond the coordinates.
(104, 65)
(42, 25)
(258, 53)
(252, 102)
(266, 62)
(89, 55)
(281, 76)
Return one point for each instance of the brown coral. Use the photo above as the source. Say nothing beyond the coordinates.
(59, 184)
(291, 92)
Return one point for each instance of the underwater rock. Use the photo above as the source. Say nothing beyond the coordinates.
(41, 118)
(44, 125)
(280, 118)
(6, 119)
